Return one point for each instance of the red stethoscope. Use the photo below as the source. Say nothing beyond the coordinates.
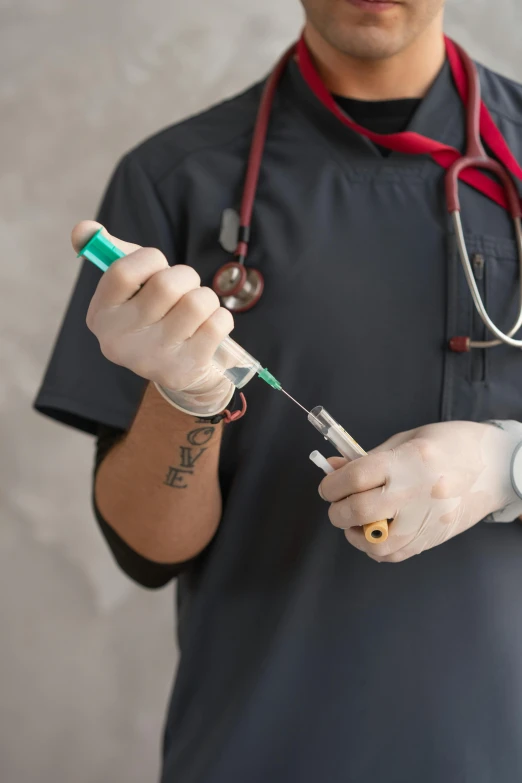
(240, 287)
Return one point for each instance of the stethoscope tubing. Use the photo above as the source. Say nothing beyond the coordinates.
(503, 337)
(475, 157)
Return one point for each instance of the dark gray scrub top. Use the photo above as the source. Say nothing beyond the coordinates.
(302, 660)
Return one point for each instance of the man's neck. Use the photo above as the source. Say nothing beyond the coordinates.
(409, 74)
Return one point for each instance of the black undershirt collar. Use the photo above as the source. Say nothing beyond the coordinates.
(439, 115)
(380, 116)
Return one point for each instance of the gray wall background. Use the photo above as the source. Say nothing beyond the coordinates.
(86, 658)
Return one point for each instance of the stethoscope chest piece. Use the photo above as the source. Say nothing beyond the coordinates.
(238, 287)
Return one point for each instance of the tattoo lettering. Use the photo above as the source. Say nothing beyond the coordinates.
(177, 476)
(188, 459)
(201, 436)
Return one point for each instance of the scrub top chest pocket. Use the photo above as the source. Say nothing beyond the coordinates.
(486, 383)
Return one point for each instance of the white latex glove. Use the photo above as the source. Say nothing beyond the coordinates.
(433, 482)
(159, 322)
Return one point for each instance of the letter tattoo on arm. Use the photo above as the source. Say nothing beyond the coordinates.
(198, 438)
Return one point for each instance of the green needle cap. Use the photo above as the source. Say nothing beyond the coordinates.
(267, 377)
(100, 251)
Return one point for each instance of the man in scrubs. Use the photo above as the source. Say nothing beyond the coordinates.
(307, 653)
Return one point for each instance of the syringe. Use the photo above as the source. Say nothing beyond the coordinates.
(230, 358)
(240, 367)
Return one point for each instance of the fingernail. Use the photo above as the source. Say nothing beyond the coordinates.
(321, 494)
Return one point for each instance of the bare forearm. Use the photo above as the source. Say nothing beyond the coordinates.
(158, 488)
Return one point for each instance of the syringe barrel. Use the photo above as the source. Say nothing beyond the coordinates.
(235, 363)
(335, 434)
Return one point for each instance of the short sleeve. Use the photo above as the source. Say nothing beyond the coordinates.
(80, 386)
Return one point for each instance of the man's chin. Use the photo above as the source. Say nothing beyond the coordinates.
(367, 43)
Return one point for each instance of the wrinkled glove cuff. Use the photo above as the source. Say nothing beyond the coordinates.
(201, 405)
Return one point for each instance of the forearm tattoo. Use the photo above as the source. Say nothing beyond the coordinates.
(197, 439)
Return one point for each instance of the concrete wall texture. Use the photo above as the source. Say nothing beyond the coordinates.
(86, 658)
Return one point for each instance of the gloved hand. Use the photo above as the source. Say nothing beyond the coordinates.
(159, 322)
(433, 482)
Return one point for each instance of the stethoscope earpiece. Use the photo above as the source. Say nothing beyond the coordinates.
(238, 287)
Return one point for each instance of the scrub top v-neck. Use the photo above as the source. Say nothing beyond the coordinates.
(302, 660)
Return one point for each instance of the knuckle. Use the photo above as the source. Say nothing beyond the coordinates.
(154, 257)
(123, 274)
(200, 303)
(220, 322)
(341, 514)
(334, 515)
(164, 284)
(426, 448)
(210, 297)
(358, 477)
(323, 489)
(132, 270)
(443, 490)
(361, 508)
(227, 318)
(188, 274)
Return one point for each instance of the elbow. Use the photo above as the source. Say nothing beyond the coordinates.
(143, 571)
